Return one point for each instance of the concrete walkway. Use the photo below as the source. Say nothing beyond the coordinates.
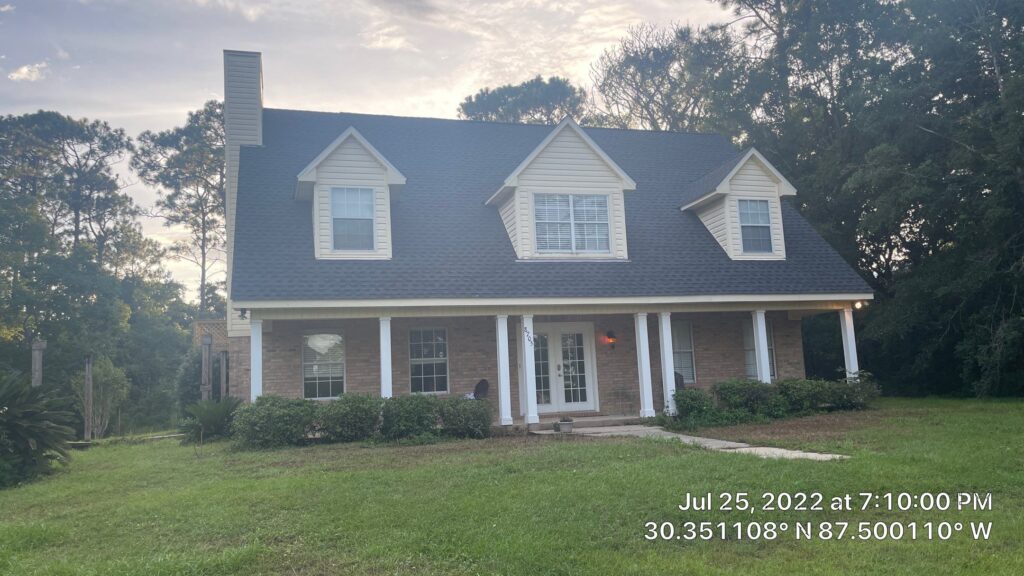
(640, 431)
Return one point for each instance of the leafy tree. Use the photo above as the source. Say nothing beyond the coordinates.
(535, 101)
(187, 163)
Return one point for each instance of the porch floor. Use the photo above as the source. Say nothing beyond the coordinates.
(547, 422)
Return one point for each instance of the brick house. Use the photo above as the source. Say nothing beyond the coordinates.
(582, 271)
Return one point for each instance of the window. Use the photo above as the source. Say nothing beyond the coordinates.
(352, 213)
(323, 365)
(682, 352)
(428, 360)
(750, 356)
(755, 226)
(571, 223)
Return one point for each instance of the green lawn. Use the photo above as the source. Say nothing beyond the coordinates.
(519, 505)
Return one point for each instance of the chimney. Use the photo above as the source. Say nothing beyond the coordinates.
(243, 125)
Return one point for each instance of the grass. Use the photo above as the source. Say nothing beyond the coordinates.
(518, 505)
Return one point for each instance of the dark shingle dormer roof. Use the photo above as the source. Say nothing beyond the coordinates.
(448, 244)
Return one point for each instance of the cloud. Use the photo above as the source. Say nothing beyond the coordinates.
(249, 10)
(63, 54)
(30, 73)
(6, 8)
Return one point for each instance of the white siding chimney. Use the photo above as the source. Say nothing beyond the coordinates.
(243, 124)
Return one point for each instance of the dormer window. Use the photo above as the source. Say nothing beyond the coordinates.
(571, 223)
(755, 225)
(352, 217)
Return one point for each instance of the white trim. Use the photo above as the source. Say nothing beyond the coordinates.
(849, 342)
(582, 301)
(255, 359)
(764, 373)
(722, 188)
(529, 378)
(668, 369)
(512, 181)
(643, 357)
(386, 386)
(504, 386)
(394, 176)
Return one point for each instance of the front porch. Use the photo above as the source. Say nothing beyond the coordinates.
(589, 365)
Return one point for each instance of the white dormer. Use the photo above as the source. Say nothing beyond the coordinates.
(565, 200)
(350, 184)
(742, 209)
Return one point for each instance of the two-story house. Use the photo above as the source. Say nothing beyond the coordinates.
(585, 271)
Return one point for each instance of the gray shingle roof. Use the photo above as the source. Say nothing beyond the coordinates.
(447, 244)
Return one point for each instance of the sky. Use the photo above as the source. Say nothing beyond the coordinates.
(143, 64)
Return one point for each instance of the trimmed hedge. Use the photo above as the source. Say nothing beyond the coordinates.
(350, 418)
(465, 417)
(272, 421)
(408, 416)
(743, 401)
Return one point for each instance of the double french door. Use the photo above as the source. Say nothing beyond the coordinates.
(564, 367)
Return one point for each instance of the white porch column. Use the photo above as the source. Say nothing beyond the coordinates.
(849, 342)
(504, 387)
(668, 368)
(255, 359)
(764, 369)
(385, 357)
(526, 338)
(643, 359)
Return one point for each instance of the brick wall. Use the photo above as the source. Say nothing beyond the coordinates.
(718, 351)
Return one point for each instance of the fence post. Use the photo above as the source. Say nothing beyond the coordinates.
(87, 395)
(223, 374)
(38, 345)
(205, 388)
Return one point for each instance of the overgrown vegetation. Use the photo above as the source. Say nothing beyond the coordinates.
(744, 401)
(34, 429)
(209, 420)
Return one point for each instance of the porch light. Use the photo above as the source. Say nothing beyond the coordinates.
(610, 339)
(858, 305)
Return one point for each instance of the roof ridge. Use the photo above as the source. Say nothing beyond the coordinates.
(493, 122)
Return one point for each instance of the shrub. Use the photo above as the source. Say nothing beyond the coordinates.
(751, 396)
(209, 420)
(406, 416)
(850, 394)
(804, 396)
(694, 403)
(272, 421)
(465, 418)
(349, 418)
(35, 429)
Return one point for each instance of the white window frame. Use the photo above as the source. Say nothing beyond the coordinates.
(739, 216)
(676, 349)
(303, 363)
(572, 222)
(447, 357)
(748, 353)
(373, 218)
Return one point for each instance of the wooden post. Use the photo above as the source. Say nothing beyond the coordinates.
(223, 374)
(38, 345)
(87, 396)
(205, 388)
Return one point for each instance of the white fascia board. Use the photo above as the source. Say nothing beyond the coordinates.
(476, 302)
(513, 179)
(394, 176)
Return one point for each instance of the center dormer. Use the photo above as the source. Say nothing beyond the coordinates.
(350, 184)
(565, 200)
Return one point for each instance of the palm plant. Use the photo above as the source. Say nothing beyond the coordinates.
(35, 429)
(209, 419)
